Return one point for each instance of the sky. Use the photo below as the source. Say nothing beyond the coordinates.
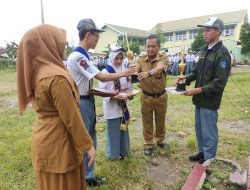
(18, 16)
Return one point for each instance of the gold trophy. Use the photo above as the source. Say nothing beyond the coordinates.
(130, 56)
(180, 82)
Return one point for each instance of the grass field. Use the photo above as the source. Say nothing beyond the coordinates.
(165, 170)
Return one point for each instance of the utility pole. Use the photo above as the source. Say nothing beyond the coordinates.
(42, 15)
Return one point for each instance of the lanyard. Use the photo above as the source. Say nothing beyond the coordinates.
(82, 51)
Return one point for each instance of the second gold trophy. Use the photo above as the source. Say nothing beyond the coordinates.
(181, 86)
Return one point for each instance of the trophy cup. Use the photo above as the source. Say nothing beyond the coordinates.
(180, 82)
(130, 56)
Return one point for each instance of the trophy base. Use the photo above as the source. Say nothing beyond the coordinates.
(180, 87)
(134, 79)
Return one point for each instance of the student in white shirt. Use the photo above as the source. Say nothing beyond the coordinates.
(81, 66)
(189, 62)
(116, 115)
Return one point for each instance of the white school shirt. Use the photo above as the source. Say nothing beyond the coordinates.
(110, 107)
(82, 70)
(196, 59)
(171, 59)
(190, 58)
(177, 59)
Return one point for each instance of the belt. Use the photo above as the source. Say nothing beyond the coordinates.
(154, 95)
(85, 97)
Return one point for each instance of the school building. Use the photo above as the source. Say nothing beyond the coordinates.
(179, 33)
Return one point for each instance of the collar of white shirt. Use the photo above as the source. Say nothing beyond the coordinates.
(212, 45)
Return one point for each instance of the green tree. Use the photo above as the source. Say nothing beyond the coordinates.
(160, 34)
(198, 42)
(123, 44)
(70, 49)
(11, 52)
(135, 47)
(245, 38)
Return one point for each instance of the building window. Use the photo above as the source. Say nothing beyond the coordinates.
(121, 38)
(169, 37)
(180, 36)
(131, 39)
(228, 30)
(193, 34)
(141, 41)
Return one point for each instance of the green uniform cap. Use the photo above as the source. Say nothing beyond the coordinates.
(88, 24)
(213, 22)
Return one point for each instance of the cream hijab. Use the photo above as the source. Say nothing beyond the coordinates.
(40, 55)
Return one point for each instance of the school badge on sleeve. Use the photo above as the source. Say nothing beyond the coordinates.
(223, 64)
(85, 65)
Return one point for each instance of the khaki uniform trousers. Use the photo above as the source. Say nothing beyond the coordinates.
(153, 108)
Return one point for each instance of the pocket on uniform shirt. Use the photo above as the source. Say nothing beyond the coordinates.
(209, 64)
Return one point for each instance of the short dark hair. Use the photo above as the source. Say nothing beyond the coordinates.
(153, 36)
(82, 33)
(220, 31)
(216, 28)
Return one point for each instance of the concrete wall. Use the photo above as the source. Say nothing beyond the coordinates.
(237, 29)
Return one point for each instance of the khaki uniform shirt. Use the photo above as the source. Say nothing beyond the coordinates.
(59, 136)
(154, 84)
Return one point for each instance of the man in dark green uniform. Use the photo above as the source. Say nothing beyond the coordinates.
(211, 74)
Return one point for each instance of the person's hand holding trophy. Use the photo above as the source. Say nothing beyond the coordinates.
(130, 56)
(180, 84)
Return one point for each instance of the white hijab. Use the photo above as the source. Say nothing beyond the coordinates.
(112, 56)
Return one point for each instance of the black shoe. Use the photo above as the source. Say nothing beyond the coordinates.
(96, 181)
(123, 157)
(197, 157)
(163, 145)
(148, 151)
(201, 161)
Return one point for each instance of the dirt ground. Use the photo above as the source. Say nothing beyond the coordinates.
(164, 172)
(235, 126)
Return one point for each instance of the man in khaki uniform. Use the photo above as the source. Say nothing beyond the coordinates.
(152, 76)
